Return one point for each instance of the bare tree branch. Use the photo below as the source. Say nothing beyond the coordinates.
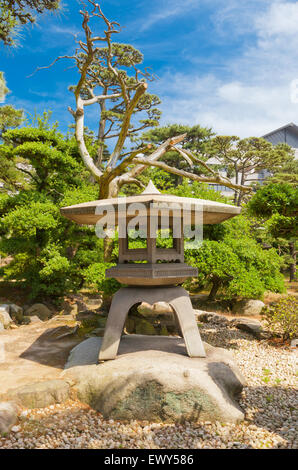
(187, 174)
(125, 125)
(158, 153)
(183, 155)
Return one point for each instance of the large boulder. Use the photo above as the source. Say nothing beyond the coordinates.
(5, 317)
(8, 416)
(248, 307)
(153, 379)
(39, 310)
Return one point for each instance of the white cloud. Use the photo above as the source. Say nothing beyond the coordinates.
(282, 18)
(166, 11)
(56, 29)
(256, 95)
(229, 108)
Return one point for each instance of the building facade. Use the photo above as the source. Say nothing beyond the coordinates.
(287, 134)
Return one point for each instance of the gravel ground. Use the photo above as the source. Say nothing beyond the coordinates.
(270, 400)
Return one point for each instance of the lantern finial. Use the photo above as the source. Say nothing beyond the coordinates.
(151, 189)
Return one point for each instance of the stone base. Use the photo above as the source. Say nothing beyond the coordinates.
(153, 379)
(126, 297)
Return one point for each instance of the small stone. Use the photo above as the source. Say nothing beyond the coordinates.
(94, 303)
(35, 319)
(16, 428)
(8, 416)
(210, 317)
(16, 313)
(5, 317)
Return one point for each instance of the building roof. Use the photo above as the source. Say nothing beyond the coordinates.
(291, 126)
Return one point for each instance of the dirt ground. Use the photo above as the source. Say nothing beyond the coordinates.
(33, 353)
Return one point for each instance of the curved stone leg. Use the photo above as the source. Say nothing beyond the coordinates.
(120, 306)
(126, 297)
(189, 328)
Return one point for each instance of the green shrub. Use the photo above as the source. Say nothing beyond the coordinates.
(94, 276)
(282, 317)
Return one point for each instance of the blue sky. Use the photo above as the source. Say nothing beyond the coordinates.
(226, 64)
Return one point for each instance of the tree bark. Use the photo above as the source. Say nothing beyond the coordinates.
(214, 289)
(108, 245)
(293, 264)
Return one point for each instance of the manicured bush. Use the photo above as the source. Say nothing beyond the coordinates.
(233, 264)
(282, 317)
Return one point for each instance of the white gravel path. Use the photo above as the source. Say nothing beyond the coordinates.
(270, 400)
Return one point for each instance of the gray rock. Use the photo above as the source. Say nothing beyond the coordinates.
(5, 317)
(62, 332)
(210, 317)
(40, 310)
(145, 309)
(8, 416)
(15, 309)
(16, 313)
(41, 394)
(93, 304)
(248, 307)
(63, 319)
(253, 327)
(153, 379)
(162, 308)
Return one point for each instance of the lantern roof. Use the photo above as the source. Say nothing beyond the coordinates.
(90, 213)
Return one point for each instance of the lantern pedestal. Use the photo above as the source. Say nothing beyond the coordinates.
(126, 297)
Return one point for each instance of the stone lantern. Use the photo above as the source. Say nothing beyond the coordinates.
(151, 273)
